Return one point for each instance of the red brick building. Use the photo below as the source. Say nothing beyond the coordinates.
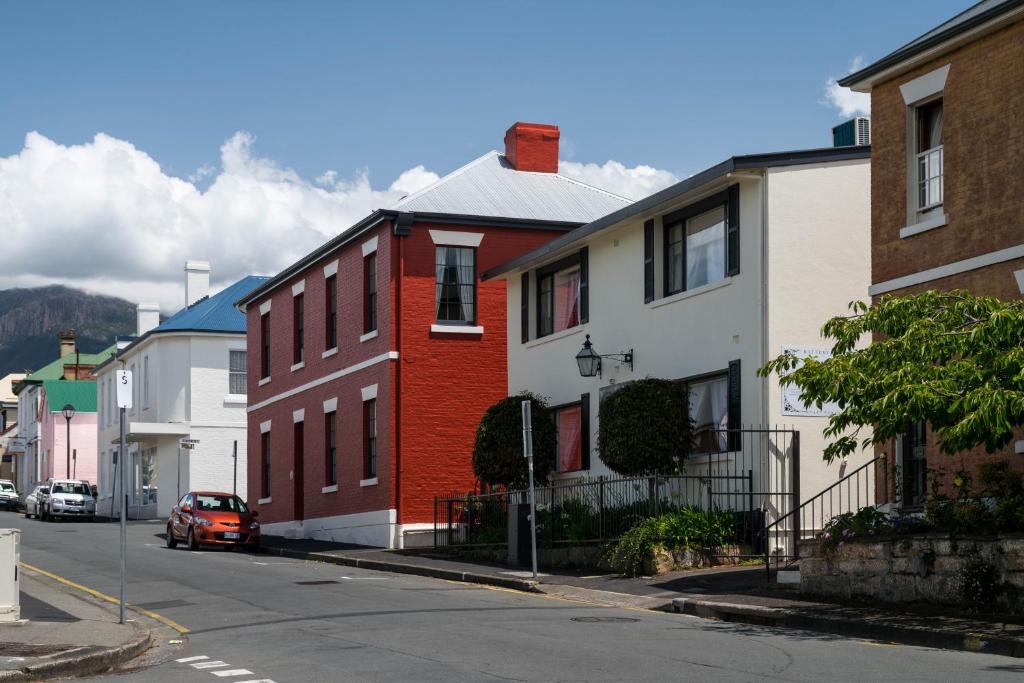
(947, 194)
(372, 359)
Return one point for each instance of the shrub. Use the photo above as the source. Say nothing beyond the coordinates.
(644, 428)
(687, 527)
(498, 453)
(867, 521)
(979, 585)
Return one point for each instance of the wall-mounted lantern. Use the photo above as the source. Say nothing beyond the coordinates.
(589, 361)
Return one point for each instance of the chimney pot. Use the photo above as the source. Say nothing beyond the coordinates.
(532, 147)
(67, 342)
(197, 281)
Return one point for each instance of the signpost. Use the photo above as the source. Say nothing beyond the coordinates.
(123, 380)
(528, 454)
(188, 445)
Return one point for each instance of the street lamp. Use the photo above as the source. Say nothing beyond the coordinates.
(589, 360)
(69, 412)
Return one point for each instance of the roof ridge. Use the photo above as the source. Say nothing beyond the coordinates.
(444, 179)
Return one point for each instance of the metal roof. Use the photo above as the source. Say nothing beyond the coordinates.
(79, 393)
(215, 313)
(736, 163)
(55, 369)
(491, 186)
(970, 18)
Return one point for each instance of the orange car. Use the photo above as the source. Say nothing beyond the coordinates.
(212, 518)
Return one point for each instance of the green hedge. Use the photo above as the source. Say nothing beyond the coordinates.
(498, 454)
(644, 428)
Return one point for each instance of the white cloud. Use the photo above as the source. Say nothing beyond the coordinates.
(848, 102)
(105, 217)
(633, 183)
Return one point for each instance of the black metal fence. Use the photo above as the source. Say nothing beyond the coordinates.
(752, 473)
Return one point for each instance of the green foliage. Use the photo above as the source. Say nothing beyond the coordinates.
(951, 359)
(644, 428)
(686, 527)
(865, 522)
(498, 454)
(978, 584)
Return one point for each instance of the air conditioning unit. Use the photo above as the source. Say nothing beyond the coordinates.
(856, 131)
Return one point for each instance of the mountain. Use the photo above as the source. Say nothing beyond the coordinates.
(31, 318)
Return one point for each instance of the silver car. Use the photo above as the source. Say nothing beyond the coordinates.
(8, 495)
(32, 501)
(67, 498)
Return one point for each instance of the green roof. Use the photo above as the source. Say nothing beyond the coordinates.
(79, 393)
(55, 369)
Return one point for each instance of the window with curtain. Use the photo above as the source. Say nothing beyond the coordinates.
(370, 445)
(265, 465)
(237, 367)
(929, 155)
(331, 301)
(455, 285)
(331, 436)
(709, 410)
(695, 251)
(265, 342)
(370, 289)
(299, 328)
(559, 300)
(568, 426)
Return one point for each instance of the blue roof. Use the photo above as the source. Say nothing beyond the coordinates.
(215, 313)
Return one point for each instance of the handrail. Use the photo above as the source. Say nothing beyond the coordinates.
(811, 502)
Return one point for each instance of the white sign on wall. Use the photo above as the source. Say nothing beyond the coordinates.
(791, 403)
(123, 380)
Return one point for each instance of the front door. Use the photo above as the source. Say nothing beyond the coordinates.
(297, 450)
(914, 465)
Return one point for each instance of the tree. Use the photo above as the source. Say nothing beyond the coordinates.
(645, 428)
(951, 359)
(498, 453)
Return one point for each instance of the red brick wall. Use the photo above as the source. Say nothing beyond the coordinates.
(448, 381)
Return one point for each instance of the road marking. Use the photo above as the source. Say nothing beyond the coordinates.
(215, 664)
(186, 660)
(363, 578)
(256, 680)
(232, 672)
(103, 596)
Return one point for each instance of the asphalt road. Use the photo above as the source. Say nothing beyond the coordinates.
(258, 618)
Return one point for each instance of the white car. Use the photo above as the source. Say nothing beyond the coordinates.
(67, 498)
(8, 495)
(32, 501)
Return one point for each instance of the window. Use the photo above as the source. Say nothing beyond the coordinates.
(928, 155)
(370, 445)
(559, 296)
(695, 251)
(709, 410)
(370, 288)
(145, 382)
(330, 441)
(455, 285)
(331, 302)
(298, 324)
(265, 465)
(265, 341)
(914, 466)
(569, 428)
(135, 391)
(237, 368)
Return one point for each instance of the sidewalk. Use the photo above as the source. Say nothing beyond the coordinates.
(738, 594)
(64, 634)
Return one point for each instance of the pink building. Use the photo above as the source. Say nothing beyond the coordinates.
(57, 460)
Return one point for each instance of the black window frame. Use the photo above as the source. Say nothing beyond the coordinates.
(331, 447)
(584, 405)
(370, 438)
(439, 285)
(331, 305)
(727, 198)
(731, 373)
(370, 293)
(545, 275)
(298, 328)
(265, 345)
(265, 451)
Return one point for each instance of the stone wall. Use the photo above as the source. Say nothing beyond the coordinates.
(911, 569)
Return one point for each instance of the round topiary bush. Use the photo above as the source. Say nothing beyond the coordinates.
(498, 454)
(644, 428)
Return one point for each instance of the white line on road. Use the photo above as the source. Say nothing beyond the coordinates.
(186, 660)
(256, 680)
(209, 665)
(232, 672)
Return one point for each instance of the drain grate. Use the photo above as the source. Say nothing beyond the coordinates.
(605, 620)
(31, 650)
(164, 604)
(314, 583)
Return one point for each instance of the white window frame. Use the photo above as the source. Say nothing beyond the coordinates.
(916, 93)
(145, 382)
(244, 373)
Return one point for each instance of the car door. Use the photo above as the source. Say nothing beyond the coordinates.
(180, 518)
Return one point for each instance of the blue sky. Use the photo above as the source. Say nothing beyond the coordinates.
(248, 133)
(344, 85)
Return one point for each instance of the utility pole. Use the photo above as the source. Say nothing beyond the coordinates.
(234, 476)
(528, 454)
(123, 379)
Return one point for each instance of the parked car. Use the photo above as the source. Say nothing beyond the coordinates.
(67, 498)
(8, 495)
(212, 518)
(32, 501)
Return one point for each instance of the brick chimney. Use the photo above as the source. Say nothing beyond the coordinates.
(532, 147)
(67, 342)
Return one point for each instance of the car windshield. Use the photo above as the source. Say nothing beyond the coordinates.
(220, 503)
(70, 487)
(6, 486)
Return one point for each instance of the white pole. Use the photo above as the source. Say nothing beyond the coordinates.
(179, 471)
(124, 519)
(528, 453)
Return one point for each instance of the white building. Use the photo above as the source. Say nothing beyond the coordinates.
(704, 282)
(188, 382)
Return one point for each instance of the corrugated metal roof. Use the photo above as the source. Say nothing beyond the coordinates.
(216, 313)
(79, 393)
(491, 186)
(55, 369)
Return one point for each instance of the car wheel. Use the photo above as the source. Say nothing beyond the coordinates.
(191, 540)
(172, 542)
(27, 515)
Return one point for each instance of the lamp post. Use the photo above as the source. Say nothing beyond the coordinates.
(589, 361)
(69, 412)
